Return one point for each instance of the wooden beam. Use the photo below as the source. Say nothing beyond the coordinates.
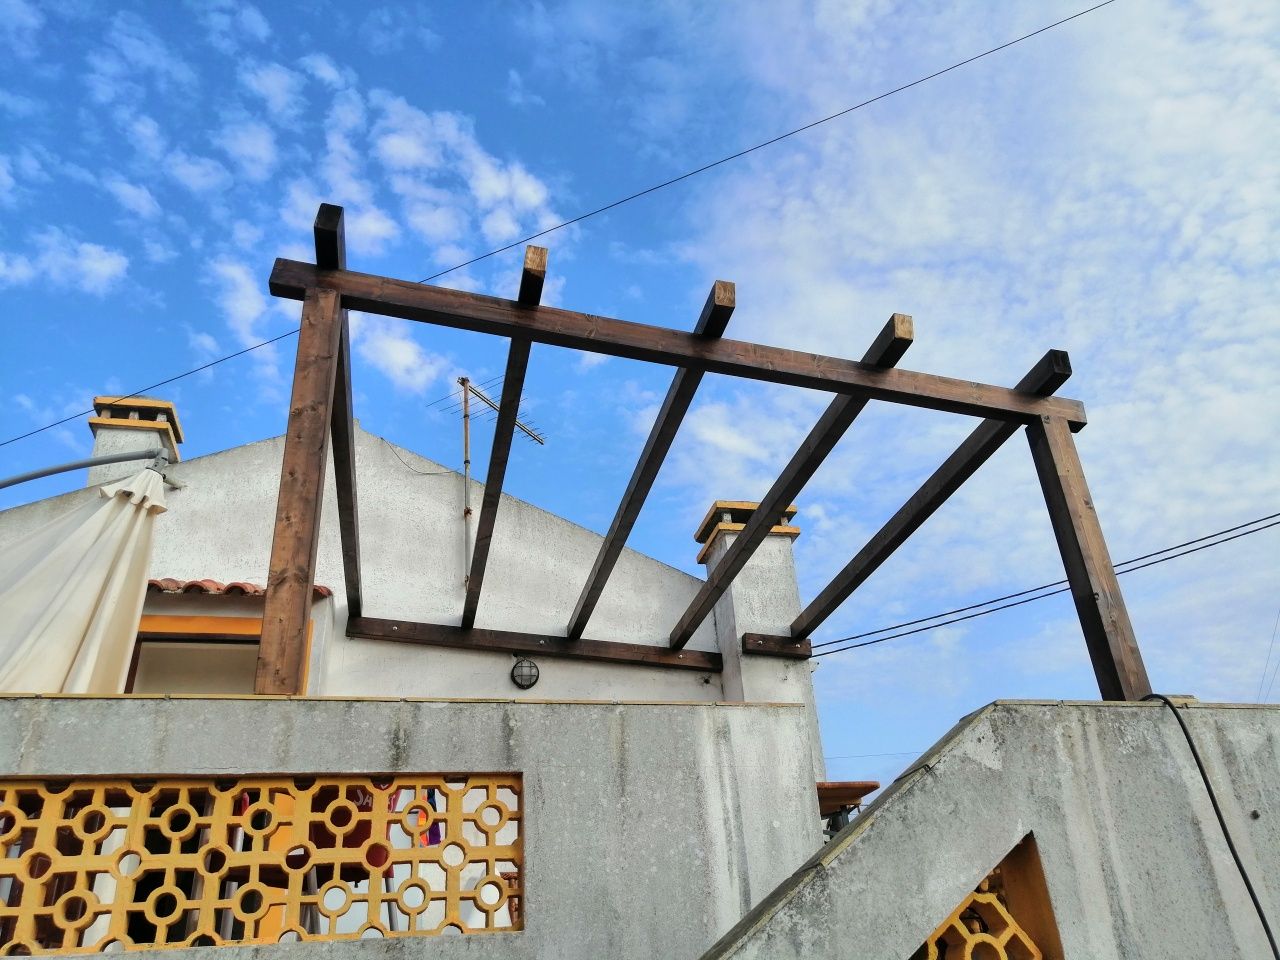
(768, 645)
(1113, 648)
(637, 341)
(297, 531)
(331, 254)
(531, 280)
(888, 348)
(1050, 373)
(533, 644)
(712, 323)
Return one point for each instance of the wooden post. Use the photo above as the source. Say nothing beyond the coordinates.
(297, 531)
(331, 254)
(1113, 648)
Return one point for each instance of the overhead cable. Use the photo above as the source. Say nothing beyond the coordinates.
(627, 199)
(1039, 596)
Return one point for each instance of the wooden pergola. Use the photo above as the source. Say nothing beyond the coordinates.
(321, 409)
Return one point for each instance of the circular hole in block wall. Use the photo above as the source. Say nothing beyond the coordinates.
(453, 855)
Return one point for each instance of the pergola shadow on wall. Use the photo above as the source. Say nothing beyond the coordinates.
(321, 409)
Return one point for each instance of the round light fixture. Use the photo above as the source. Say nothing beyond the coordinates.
(524, 673)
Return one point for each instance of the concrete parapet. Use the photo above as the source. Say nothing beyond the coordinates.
(1134, 859)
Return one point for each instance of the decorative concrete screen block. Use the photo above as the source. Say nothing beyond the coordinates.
(108, 864)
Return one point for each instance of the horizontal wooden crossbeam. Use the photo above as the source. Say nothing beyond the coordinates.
(534, 644)
(638, 341)
(1046, 376)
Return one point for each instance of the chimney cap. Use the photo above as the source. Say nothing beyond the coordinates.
(739, 512)
(136, 412)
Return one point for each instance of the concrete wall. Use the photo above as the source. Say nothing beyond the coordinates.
(1135, 861)
(650, 828)
(219, 526)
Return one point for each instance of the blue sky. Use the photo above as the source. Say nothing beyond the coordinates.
(1109, 188)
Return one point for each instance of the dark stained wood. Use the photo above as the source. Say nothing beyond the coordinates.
(888, 348)
(297, 529)
(712, 323)
(1050, 373)
(532, 276)
(581, 331)
(533, 644)
(769, 645)
(531, 280)
(331, 254)
(1113, 648)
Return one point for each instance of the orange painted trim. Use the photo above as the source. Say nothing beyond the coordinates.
(720, 528)
(139, 403)
(180, 627)
(163, 426)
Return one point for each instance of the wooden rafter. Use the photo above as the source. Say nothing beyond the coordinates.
(297, 530)
(638, 341)
(321, 404)
(1108, 633)
(331, 254)
(887, 350)
(605, 651)
(532, 277)
(711, 323)
(1050, 373)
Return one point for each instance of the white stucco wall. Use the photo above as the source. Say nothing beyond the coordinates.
(219, 526)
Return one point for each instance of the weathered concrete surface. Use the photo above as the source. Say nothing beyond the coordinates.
(219, 526)
(764, 598)
(650, 828)
(1136, 865)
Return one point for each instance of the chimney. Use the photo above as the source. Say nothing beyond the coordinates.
(133, 423)
(763, 598)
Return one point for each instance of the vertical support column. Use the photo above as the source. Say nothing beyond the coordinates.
(297, 531)
(331, 254)
(1113, 648)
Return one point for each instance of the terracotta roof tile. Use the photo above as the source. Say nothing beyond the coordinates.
(238, 588)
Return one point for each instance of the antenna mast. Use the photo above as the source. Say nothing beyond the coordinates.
(468, 390)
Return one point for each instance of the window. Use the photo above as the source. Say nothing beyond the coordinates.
(197, 654)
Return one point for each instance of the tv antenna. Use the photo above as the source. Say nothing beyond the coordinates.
(529, 431)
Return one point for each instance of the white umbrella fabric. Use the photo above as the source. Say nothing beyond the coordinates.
(71, 592)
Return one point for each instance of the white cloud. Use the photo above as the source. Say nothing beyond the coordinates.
(227, 23)
(279, 87)
(132, 56)
(387, 30)
(252, 145)
(8, 185)
(146, 136)
(64, 261)
(242, 298)
(17, 104)
(322, 68)
(448, 183)
(518, 95)
(197, 174)
(20, 23)
(389, 347)
(133, 197)
(245, 235)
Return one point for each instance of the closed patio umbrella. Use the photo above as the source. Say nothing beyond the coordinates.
(71, 592)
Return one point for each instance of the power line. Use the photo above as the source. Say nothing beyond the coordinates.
(421, 473)
(1271, 647)
(767, 143)
(1043, 586)
(162, 383)
(1042, 596)
(635, 196)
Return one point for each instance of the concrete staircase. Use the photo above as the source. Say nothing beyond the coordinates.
(1134, 859)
